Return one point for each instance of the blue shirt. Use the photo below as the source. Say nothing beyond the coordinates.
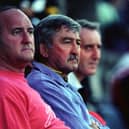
(64, 100)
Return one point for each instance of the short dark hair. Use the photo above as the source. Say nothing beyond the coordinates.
(89, 24)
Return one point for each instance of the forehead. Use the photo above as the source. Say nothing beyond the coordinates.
(14, 17)
(67, 32)
(89, 32)
(90, 36)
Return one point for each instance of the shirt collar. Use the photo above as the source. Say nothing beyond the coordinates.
(64, 76)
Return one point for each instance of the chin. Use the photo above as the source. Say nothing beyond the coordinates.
(28, 60)
(92, 73)
(74, 68)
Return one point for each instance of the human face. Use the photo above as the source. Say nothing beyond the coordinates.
(17, 40)
(64, 54)
(90, 51)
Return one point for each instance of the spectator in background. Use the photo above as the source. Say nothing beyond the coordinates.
(90, 53)
(58, 49)
(20, 106)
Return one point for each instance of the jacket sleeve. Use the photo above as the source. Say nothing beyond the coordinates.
(60, 102)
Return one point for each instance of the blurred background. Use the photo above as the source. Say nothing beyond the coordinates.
(107, 85)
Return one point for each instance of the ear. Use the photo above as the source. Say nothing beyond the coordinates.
(43, 50)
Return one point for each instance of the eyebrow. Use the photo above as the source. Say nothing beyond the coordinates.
(22, 28)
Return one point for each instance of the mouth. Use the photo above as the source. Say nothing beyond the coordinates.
(74, 61)
(28, 49)
(93, 65)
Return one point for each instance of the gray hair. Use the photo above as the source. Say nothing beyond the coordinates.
(49, 26)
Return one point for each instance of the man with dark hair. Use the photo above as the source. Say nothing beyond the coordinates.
(90, 53)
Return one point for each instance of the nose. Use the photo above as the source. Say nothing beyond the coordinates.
(97, 53)
(75, 48)
(27, 38)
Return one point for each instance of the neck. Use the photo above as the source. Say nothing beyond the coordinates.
(8, 67)
(79, 76)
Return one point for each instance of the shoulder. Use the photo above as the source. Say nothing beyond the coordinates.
(13, 89)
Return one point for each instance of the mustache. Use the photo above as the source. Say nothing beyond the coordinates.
(28, 46)
(73, 57)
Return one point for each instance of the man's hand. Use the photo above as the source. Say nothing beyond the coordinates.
(94, 125)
